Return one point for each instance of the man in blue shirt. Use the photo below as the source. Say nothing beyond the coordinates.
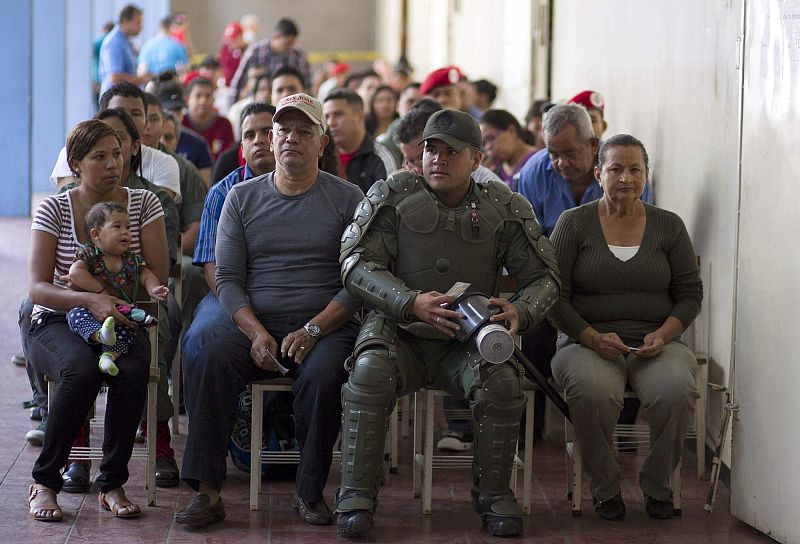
(561, 176)
(210, 319)
(557, 178)
(162, 52)
(117, 59)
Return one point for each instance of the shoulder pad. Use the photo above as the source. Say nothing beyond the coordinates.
(499, 193)
(350, 238)
(521, 208)
(377, 197)
(364, 212)
(403, 182)
(378, 192)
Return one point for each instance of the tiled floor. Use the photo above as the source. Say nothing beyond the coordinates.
(399, 517)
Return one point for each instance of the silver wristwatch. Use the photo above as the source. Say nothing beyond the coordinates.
(313, 329)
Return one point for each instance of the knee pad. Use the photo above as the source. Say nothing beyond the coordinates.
(500, 394)
(372, 379)
(367, 400)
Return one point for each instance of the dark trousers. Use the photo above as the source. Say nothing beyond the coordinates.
(539, 345)
(56, 351)
(217, 374)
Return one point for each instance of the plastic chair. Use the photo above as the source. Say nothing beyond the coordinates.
(575, 467)
(148, 451)
(425, 461)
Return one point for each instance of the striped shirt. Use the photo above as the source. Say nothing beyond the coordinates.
(206, 241)
(54, 216)
(261, 54)
(386, 156)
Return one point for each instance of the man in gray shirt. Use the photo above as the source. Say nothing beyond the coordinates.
(278, 278)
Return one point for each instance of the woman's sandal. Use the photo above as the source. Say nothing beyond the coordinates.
(121, 507)
(43, 504)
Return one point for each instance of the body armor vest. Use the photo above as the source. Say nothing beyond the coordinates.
(439, 246)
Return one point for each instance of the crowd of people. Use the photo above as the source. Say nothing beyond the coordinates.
(317, 220)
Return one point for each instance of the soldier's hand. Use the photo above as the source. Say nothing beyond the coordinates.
(429, 307)
(508, 312)
(263, 351)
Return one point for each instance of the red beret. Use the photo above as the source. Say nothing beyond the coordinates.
(232, 31)
(189, 76)
(591, 100)
(440, 78)
(340, 68)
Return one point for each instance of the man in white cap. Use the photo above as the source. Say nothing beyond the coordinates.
(277, 256)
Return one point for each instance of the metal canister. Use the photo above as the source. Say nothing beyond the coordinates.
(495, 343)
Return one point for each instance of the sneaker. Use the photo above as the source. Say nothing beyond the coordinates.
(18, 359)
(35, 437)
(454, 441)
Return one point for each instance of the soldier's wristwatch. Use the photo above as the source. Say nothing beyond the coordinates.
(313, 329)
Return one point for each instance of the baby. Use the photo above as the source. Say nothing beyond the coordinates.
(105, 265)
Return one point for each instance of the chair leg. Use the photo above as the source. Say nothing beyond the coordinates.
(574, 469)
(419, 400)
(406, 421)
(176, 391)
(427, 483)
(256, 428)
(527, 483)
(152, 396)
(176, 368)
(515, 462)
(675, 484)
(577, 475)
(393, 440)
(700, 416)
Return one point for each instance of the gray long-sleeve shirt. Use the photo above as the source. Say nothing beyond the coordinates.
(279, 254)
(631, 298)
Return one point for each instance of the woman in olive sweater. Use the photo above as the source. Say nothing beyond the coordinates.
(630, 286)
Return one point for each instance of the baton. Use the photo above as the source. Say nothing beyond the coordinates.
(542, 382)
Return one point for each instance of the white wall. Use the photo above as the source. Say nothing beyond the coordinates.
(329, 26)
(765, 485)
(668, 73)
(486, 39)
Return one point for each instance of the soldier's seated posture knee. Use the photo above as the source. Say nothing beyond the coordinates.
(368, 398)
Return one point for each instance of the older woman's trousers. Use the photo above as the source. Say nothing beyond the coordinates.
(64, 356)
(595, 388)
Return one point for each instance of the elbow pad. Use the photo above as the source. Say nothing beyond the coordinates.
(375, 286)
(537, 299)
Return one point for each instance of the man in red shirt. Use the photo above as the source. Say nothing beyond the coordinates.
(202, 118)
(364, 161)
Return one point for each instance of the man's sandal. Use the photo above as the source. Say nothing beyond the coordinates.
(121, 507)
(43, 504)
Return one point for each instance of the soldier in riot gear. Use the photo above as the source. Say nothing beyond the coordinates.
(412, 238)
